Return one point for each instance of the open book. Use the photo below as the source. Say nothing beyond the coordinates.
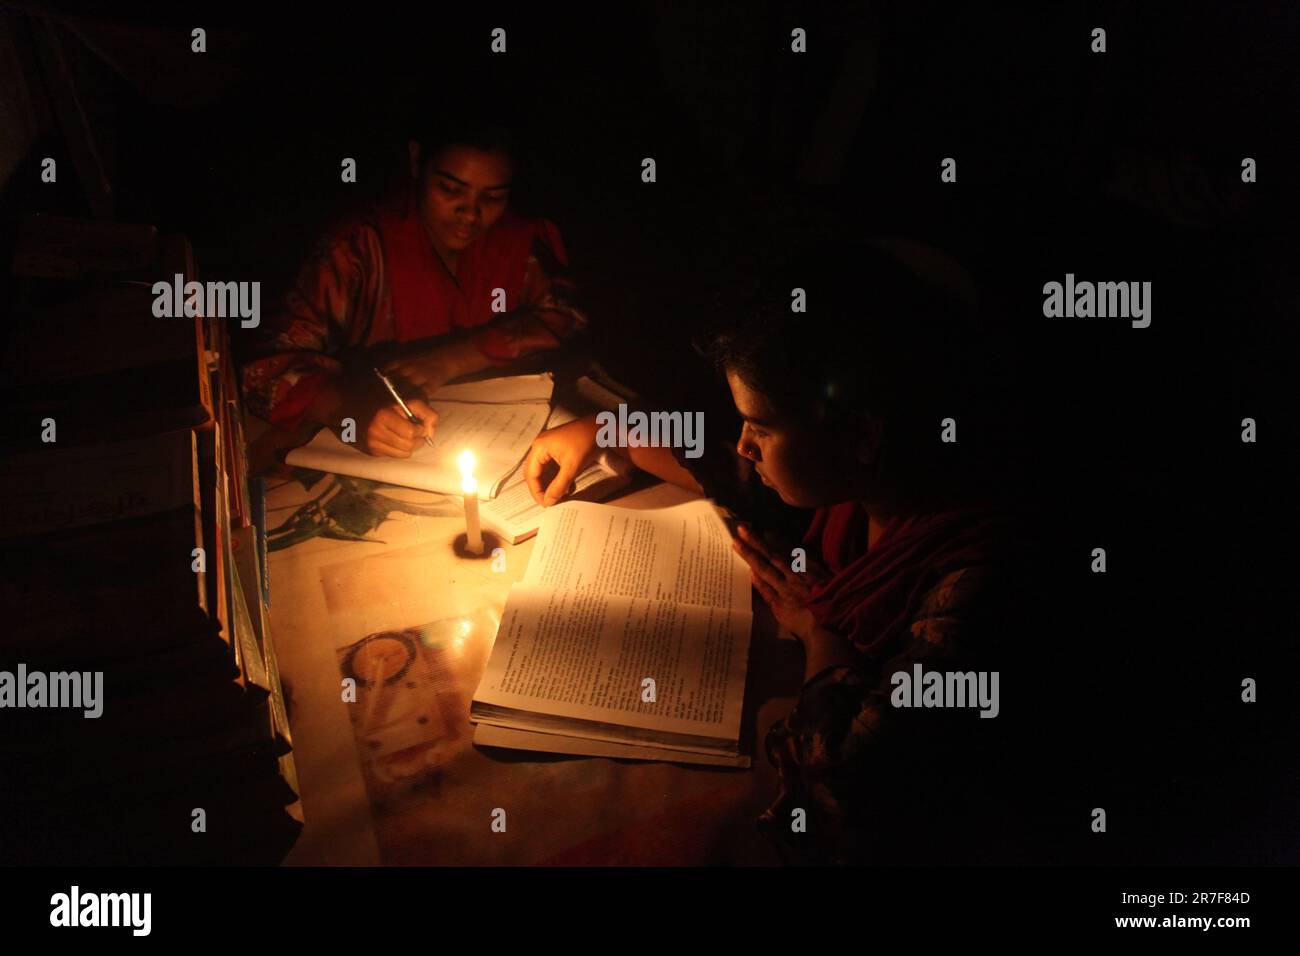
(628, 636)
(496, 419)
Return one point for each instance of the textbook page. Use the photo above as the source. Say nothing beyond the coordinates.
(575, 662)
(496, 419)
(681, 554)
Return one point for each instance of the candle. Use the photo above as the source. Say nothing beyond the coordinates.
(468, 484)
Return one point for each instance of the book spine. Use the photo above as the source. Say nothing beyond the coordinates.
(258, 492)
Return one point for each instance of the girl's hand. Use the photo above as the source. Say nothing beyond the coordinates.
(785, 590)
(388, 432)
(525, 335)
(572, 447)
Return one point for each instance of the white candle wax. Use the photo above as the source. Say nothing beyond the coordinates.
(469, 485)
(473, 533)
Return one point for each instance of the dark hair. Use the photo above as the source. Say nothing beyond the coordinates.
(477, 132)
(875, 339)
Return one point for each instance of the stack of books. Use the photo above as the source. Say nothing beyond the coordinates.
(141, 714)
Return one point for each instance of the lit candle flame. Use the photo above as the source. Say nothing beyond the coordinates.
(468, 483)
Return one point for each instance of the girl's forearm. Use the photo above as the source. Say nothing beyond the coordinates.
(327, 407)
(454, 360)
(461, 358)
(825, 648)
(662, 463)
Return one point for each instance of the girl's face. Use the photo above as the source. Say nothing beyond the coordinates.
(800, 462)
(463, 191)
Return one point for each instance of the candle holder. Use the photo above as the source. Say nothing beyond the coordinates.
(490, 543)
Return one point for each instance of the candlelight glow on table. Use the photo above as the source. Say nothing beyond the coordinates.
(469, 485)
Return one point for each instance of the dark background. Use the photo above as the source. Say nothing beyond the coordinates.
(1116, 166)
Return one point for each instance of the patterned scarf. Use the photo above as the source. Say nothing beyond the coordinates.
(874, 594)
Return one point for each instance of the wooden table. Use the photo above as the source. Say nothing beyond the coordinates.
(396, 779)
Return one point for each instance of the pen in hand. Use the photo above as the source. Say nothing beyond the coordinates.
(413, 418)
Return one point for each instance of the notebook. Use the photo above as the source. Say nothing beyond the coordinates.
(496, 419)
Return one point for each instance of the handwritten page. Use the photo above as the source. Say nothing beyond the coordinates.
(496, 419)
